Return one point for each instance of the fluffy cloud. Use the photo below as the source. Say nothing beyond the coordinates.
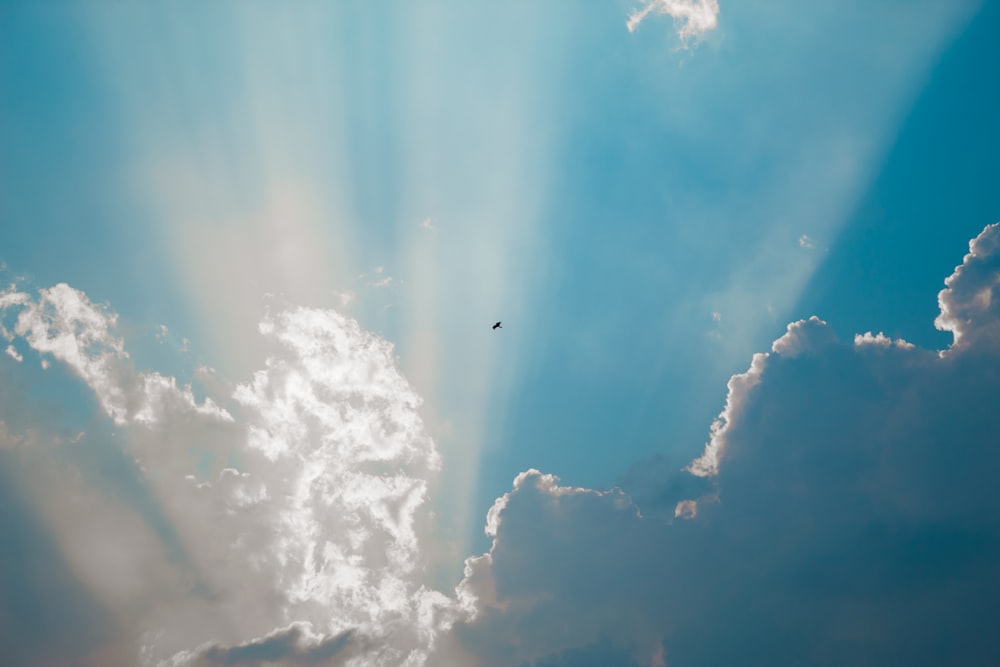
(851, 517)
(568, 567)
(64, 324)
(320, 507)
(281, 529)
(970, 306)
(693, 18)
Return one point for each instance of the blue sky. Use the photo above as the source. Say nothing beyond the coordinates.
(245, 199)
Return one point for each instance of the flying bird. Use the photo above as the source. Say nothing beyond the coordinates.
(497, 326)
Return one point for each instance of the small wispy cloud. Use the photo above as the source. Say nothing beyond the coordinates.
(346, 297)
(880, 340)
(714, 333)
(427, 224)
(692, 18)
(806, 242)
(378, 278)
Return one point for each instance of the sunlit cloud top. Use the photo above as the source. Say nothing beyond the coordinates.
(693, 18)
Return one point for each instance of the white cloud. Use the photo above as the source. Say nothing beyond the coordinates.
(65, 324)
(692, 18)
(322, 512)
(806, 242)
(970, 304)
(346, 298)
(299, 542)
(739, 386)
(852, 519)
(379, 278)
(879, 339)
(12, 352)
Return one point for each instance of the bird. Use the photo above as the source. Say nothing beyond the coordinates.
(497, 326)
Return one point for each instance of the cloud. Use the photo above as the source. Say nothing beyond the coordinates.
(848, 515)
(379, 278)
(970, 304)
(739, 385)
(692, 18)
(806, 242)
(322, 504)
(281, 528)
(67, 326)
(346, 297)
(567, 568)
(294, 645)
(843, 511)
(880, 339)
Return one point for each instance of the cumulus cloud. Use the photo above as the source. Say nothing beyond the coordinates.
(321, 508)
(692, 18)
(567, 567)
(970, 304)
(279, 529)
(880, 339)
(851, 518)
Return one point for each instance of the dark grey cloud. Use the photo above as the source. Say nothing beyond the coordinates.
(845, 512)
(294, 645)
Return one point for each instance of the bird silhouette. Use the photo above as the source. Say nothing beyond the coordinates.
(497, 326)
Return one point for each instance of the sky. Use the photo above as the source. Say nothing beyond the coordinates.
(741, 409)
